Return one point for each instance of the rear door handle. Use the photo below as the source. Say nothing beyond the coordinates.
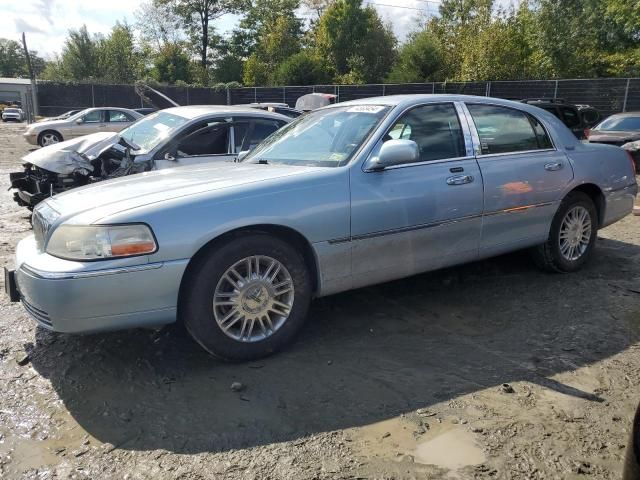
(459, 179)
(552, 167)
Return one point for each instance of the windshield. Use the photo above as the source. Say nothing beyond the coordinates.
(11, 110)
(324, 138)
(150, 131)
(620, 124)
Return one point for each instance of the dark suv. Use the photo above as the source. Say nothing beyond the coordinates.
(576, 117)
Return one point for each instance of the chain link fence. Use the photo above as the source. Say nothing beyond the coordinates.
(608, 95)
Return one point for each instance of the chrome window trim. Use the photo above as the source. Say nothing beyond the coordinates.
(476, 137)
(466, 136)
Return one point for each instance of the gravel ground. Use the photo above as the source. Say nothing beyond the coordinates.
(401, 380)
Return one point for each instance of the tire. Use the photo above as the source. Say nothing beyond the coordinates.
(49, 137)
(208, 294)
(549, 256)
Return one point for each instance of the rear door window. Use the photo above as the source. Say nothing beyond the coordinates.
(116, 116)
(250, 133)
(503, 130)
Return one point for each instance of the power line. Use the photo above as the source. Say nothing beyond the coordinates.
(398, 6)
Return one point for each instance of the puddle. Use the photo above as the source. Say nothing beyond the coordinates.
(453, 449)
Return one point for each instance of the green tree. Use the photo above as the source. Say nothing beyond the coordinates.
(13, 62)
(79, 58)
(197, 17)
(119, 60)
(419, 60)
(158, 24)
(355, 41)
(302, 68)
(172, 64)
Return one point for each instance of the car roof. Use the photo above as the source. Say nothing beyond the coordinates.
(409, 100)
(624, 114)
(195, 111)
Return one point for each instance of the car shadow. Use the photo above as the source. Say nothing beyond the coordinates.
(364, 356)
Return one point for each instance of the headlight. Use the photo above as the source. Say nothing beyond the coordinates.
(101, 242)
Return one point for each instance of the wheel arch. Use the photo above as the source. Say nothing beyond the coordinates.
(50, 130)
(286, 234)
(596, 195)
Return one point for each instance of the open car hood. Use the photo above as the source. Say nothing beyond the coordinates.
(71, 155)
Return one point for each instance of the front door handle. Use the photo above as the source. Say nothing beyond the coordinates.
(552, 167)
(459, 179)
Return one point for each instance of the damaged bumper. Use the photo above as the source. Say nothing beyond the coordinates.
(78, 297)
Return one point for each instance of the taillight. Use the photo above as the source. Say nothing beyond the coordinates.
(587, 132)
(633, 163)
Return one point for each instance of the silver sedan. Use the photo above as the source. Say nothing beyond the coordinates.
(347, 196)
(91, 120)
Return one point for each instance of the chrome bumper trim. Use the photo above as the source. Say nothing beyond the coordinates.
(92, 273)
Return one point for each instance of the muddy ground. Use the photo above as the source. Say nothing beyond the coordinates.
(402, 380)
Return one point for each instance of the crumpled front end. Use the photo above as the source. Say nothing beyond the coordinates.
(56, 170)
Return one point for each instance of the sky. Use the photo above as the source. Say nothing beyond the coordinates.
(46, 22)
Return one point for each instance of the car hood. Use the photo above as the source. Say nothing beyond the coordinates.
(142, 189)
(597, 136)
(71, 155)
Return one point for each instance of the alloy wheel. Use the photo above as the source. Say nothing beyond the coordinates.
(253, 298)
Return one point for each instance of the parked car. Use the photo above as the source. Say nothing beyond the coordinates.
(617, 129)
(350, 195)
(14, 114)
(63, 116)
(281, 108)
(169, 138)
(578, 118)
(90, 120)
(313, 101)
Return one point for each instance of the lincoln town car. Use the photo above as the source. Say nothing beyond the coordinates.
(350, 195)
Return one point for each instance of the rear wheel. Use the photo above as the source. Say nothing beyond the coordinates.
(49, 137)
(572, 236)
(248, 298)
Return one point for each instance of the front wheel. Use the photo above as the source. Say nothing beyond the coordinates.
(247, 298)
(572, 235)
(49, 138)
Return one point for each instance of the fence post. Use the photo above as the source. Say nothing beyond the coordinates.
(93, 97)
(626, 95)
(338, 93)
(255, 94)
(383, 90)
(228, 95)
(433, 87)
(487, 90)
(284, 94)
(555, 91)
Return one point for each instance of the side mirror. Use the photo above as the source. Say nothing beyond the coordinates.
(79, 121)
(395, 152)
(242, 155)
(168, 156)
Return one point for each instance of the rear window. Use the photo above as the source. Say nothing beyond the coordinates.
(506, 130)
(620, 124)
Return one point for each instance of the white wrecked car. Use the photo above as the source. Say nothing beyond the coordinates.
(169, 138)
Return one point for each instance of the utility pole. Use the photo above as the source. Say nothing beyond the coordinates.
(32, 76)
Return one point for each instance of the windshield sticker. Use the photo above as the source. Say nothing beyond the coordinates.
(162, 127)
(337, 156)
(366, 109)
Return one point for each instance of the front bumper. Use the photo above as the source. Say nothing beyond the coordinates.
(84, 297)
(31, 138)
(28, 192)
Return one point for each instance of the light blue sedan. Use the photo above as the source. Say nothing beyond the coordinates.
(349, 195)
